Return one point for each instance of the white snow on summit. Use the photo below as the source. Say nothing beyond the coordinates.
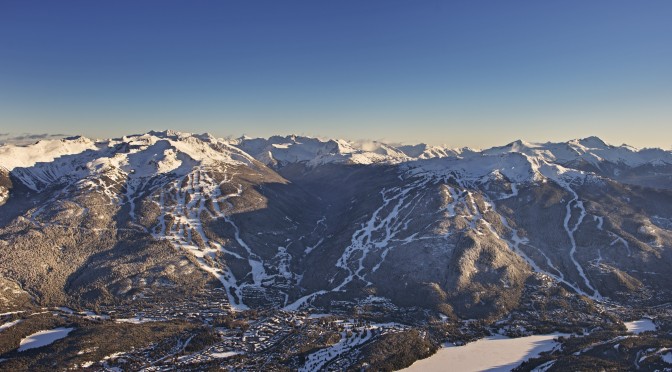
(515, 167)
(591, 150)
(279, 150)
(155, 153)
(138, 156)
(15, 156)
(424, 151)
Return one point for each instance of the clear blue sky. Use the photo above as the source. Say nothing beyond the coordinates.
(464, 73)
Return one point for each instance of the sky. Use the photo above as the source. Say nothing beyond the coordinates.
(462, 73)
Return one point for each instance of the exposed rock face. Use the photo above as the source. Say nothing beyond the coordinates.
(5, 185)
(291, 222)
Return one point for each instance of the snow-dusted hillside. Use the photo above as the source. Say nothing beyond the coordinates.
(362, 212)
(152, 226)
(279, 151)
(135, 157)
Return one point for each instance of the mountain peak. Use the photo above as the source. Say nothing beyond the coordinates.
(592, 142)
(292, 148)
(176, 135)
(520, 145)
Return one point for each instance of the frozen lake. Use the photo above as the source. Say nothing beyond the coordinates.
(639, 326)
(496, 353)
(43, 338)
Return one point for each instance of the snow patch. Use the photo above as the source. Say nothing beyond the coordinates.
(225, 354)
(137, 320)
(9, 324)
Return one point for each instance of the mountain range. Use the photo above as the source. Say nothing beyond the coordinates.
(527, 236)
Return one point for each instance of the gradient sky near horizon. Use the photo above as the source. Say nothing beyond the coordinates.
(463, 73)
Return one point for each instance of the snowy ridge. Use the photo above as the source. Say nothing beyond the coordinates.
(591, 149)
(280, 151)
(15, 156)
(424, 151)
(48, 161)
(135, 157)
(477, 169)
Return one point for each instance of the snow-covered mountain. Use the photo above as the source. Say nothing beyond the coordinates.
(424, 151)
(277, 151)
(280, 151)
(139, 156)
(591, 150)
(182, 188)
(294, 223)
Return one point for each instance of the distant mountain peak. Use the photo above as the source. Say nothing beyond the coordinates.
(592, 142)
(282, 150)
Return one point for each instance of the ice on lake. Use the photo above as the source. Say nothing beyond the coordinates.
(496, 353)
(639, 326)
(43, 338)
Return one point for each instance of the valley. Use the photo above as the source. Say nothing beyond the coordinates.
(298, 253)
